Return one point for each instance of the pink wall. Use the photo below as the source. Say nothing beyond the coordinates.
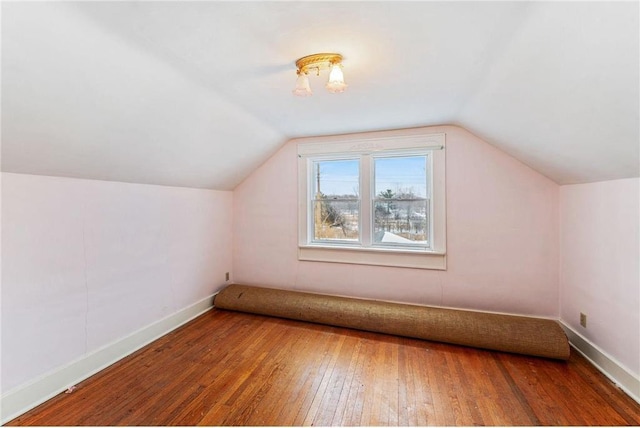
(86, 263)
(502, 236)
(600, 265)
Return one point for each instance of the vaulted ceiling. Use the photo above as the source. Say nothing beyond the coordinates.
(198, 94)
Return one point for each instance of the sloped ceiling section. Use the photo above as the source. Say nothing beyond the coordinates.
(563, 95)
(82, 101)
(198, 94)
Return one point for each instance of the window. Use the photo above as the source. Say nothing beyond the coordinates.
(377, 200)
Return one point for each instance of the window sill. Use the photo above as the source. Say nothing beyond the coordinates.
(417, 259)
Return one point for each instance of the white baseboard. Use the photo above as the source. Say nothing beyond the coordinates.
(612, 369)
(26, 397)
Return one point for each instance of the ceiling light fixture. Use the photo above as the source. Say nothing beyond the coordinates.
(318, 62)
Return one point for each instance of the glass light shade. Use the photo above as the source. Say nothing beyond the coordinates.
(302, 86)
(336, 84)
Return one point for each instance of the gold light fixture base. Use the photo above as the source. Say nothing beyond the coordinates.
(319, 61)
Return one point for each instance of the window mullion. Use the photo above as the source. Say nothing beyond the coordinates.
(310, 200)
(366, 197)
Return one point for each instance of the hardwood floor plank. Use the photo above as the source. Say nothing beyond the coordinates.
(393, 381)
(304, 386)
(466, 415)
(406, 410)
(368, 374)
(443, 410)
(324, 383)
(468, 401)
(337, 380)
(227, 368)
(525, 408)
(350, 374)
(355, 397)
(243, 383)
(292, 370)
(422, 391)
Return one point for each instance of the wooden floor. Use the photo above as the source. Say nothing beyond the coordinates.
(227, 368)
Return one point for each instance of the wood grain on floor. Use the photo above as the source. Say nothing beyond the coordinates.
(229, 368)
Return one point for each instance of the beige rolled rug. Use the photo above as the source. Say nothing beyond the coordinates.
(522, 335)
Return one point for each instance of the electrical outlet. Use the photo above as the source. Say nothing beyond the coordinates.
(583, 320)
(226, 276)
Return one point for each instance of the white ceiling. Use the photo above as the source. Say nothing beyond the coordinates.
(198, 94)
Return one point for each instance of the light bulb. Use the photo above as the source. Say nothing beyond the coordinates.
(336, 84)
(302, 86)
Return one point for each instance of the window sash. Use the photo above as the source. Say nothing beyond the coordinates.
(313, 200)
(398, 154)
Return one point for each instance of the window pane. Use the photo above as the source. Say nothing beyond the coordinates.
(336, 179)
(336, 219)
(401, 204)
(401, 177)
(401, 222)
(336, 204)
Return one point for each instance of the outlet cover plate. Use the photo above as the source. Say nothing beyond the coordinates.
(583, 320)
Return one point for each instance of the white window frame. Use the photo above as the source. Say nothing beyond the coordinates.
(369, 146)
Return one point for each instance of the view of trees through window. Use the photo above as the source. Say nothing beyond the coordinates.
(400, 206)
(336, 210)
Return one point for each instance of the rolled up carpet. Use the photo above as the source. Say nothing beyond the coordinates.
(500, 332)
